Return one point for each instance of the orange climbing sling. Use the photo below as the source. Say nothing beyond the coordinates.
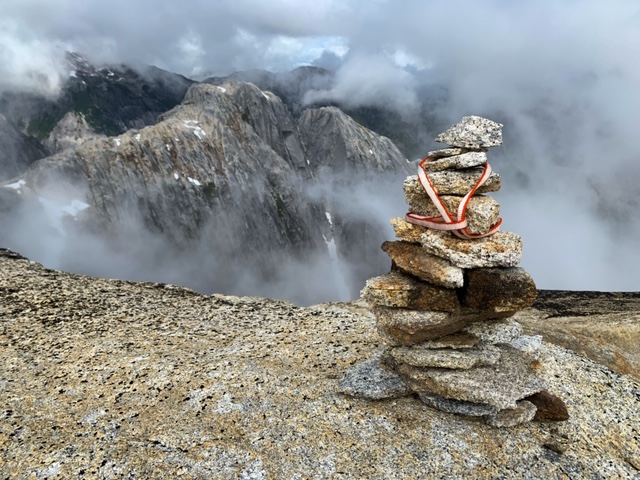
(446, 220)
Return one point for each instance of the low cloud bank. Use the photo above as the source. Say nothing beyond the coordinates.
(560, 76)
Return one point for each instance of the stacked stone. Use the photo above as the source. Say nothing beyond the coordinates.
(444, 306)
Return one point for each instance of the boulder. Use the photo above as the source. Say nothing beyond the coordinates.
(524, 412)
(499, 289)
(408, 231)
(458, 340)
(500, 331)
(446, 152)
(446, 358)
(409, 327)
(398, 290)
(500, 385)
(456, 162)
(372, 380)
(502, 249)
(413, 259)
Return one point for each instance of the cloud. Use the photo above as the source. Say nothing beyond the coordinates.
(370, 79)
(29, 63)
(192, 37)
(560, 75)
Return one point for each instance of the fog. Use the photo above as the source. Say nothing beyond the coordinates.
(55, 226)
(560, 76)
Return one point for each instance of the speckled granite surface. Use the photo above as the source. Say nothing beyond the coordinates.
(111, 379)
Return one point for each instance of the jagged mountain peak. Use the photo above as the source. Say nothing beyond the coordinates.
(290, 86)
(110, 99)
(329, 130)
(227, 176)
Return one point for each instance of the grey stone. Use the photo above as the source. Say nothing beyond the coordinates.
(473, 132)
(447, 358)
(500, 385)
(372, 380)
(409, 327)
(502, 249)
(396, 289)
(482, 212)
(458, 340)
(510, 417)
(452, 182)
(391, 290)
(446, 152)
(450, 405)
(527, 343)
(499, 289)
(496, 331)
(456, 162)
(413, 259)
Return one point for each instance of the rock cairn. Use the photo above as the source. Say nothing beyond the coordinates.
(444, 308)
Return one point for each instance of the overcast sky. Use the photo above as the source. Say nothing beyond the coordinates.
(564, 75)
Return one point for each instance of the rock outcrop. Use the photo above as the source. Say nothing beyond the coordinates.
(602, 326)
(313, 87)
(290, 86)
(105, 378)
(69, 132)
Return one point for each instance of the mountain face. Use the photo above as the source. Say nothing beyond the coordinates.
(291, 86)
(17, 151)
(356, 165)
(227, 192)
(109, 100)
(69, 132)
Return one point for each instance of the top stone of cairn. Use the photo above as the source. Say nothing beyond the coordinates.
(473, 132)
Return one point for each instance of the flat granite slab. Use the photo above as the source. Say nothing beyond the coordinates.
(500, 385)
(113, 379)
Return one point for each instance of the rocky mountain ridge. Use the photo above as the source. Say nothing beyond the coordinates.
(229, 175)
(94, 101)
(112, 98)
(311, 87)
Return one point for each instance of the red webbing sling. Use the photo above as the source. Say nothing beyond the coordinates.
(446, 220)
